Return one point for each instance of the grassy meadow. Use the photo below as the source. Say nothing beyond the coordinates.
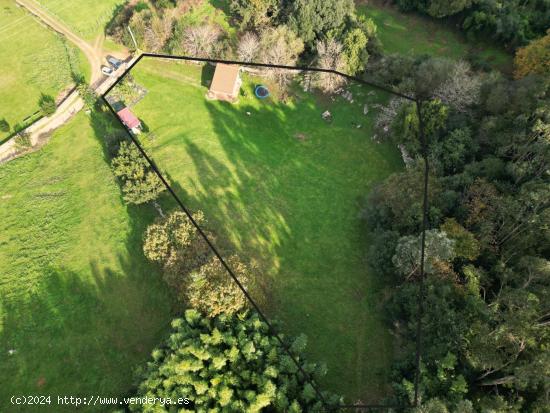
(282, 187)
(34, 60)
(413, 34)
(87, 18)
(80, 307)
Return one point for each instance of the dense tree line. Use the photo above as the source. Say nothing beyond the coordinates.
(281, 32)
(511, 22)
(486, 341)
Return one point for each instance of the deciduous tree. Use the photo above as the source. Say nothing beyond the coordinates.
(461, 89)
(280, 46)
(200, 41)
(248, 48)
(174, 242)
(465, 244)
(140, 184)
(158, 31)
(438, 248)
(329, 56)
(213, 291)
(533, 58)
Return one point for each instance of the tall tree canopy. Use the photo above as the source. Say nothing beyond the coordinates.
(534, 58)
(230, 363)
(255, 14)
(314, 19)
(485, 335)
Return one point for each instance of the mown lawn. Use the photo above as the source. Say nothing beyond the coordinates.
(282, 187)
(87, 18)
(79, 304)
(413, 34)
(34, 60)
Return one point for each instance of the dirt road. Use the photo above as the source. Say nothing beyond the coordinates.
(94, 56)
(39, 131)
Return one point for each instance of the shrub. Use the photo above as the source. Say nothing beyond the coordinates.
(4, 125)
(141, 6)
(87, 94)
(140, 184)
(160, 4)
(22, 141)
(47, 104)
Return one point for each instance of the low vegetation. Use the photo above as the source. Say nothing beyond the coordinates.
(80, 306)
(87, 18)
(414, 34)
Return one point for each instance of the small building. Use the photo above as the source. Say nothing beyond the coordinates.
(130, 120)
(226, 83)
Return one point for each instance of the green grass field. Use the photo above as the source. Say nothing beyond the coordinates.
(282, 187)
(87, 18)
(34, 61)
(79, 303)
(414, 34)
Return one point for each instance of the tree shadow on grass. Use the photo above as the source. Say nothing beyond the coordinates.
(283, 192)
(82, 333)
(84, 330)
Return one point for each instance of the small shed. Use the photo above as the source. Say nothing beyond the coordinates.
(226, 82)
(130, 120)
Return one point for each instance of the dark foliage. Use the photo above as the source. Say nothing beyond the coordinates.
(485, 326)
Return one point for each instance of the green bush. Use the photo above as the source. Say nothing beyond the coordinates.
(4, 125)
(22, 141)
(47, 105)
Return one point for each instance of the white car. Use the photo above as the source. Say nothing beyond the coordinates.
(106, 70)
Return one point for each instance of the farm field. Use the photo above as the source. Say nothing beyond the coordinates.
(413, 34)
(34, 60)
(80, 306)
(282, 187)
(87, 18)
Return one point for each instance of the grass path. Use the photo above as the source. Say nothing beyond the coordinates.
(79, 304)
(282, 187)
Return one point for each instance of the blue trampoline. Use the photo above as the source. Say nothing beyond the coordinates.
(261, 92)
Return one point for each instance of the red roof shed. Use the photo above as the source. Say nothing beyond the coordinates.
(128, 118)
